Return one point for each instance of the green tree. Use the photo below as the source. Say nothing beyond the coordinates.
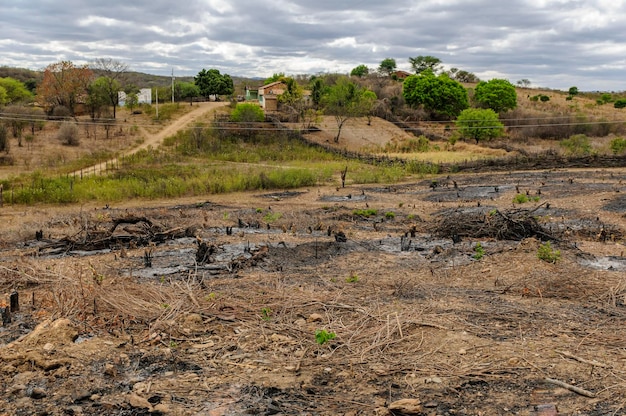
(344, 100)
(424, 63)
(387, 66)
(111, 72)
(479, 124)
(16, 91)
(360, 71)
(573, 91)
(98, 96)
(187, 90)
(318, 88)
(278, 76)
(368, 101)
(211, 82)
(132, 96)
(437, 94)
(498, 94)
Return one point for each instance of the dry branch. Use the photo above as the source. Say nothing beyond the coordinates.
(569, 387)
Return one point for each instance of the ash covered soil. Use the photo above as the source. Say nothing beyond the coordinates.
(427, 298)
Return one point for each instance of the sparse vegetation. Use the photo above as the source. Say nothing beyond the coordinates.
(618, 146)
(322, 336)
(546, 253)
(578, 144)
(479, 252)
(368, 212)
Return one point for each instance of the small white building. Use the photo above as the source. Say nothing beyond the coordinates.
(144, 97)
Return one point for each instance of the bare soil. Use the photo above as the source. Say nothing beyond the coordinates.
(211, 307)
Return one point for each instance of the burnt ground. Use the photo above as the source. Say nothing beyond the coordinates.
(212, 307)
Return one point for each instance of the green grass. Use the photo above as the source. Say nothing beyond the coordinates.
(203, 165)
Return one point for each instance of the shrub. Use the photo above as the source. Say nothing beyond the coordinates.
(390, 215)
(621, 103)
(578, 144)
(68, 134)
(247, 113)
(547, 253)
(479, 252)
(618, 145)
(479, 124)
(364, 212)
(544, 98)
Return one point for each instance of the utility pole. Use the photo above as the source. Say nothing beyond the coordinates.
(172, 85)
(157, 102)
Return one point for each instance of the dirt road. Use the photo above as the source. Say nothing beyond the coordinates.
(155, 139)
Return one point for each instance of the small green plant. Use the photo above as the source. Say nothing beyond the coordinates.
(390, 215)
(493, 212)
(322, 336)
(547, 253)
(225, 215)
(173, 344)
(259, 210)
(266, 314)
(520, 199)
(618, 146)
(578, 144)
(353, 278)
(365, 212)
(410, 217)
(479, 252)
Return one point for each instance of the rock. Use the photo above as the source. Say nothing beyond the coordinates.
(139, 402)
(80, 395)
(300, 322)
(37, 393)
(406, 407)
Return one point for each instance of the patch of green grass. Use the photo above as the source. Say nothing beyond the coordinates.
(390, 215)
(353, 278)
(368, 212)
(523, 198)
(272, 216)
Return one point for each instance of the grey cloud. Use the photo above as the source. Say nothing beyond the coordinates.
(554, 44)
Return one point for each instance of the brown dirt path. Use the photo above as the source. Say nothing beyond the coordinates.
(155, 139)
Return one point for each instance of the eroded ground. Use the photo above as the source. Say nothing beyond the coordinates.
(212, 307)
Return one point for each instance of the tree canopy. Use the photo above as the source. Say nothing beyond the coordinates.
(424, 63)
(387, 66)
(360, 71)
(479, 124)
(498, 94)
(211, 82)
(111, 72)
(15, 91)
(63, 84)
(187, 90)
(437, 94)
(345, 100)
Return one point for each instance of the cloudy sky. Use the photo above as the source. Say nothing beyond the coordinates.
(552, 43)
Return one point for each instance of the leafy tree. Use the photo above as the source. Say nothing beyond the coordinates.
(293, 94)
(462, 76)
(387, 66)
(318, 88)
(437, 94)
(278, 76)
(132, 96)
(573, 91)
(15, 91)
(367, 102)
(498, 94)
(98, 96)
(344, 100)
(524, 83)
(188, 90)
(360, 71)
(211, 82)
(423, 63)
(247, 113)
(63, 84)
(112, 73)
(479, 124)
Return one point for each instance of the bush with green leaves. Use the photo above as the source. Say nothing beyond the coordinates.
(438, 94)
(621, 103)
(577, 145)
(544, 98)
(479, 124)
(479, 252)
(247, 113)
(618, 146)
(4, 139)
(497, 94)
(546, 253)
